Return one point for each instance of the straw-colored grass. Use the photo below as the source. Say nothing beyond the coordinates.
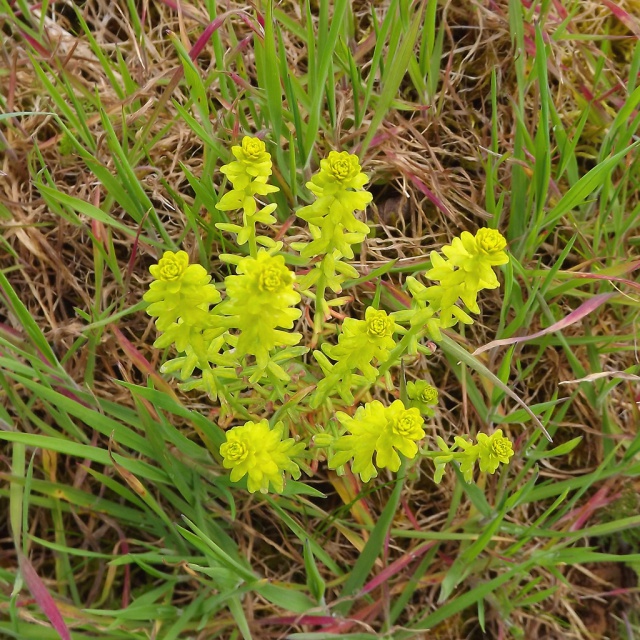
(455, 140)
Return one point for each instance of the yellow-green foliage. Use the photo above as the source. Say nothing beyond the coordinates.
(259, 452)
(259, 301)
(249, 329)
(380, 431)
(423, 397)
(360, 343)
(339, 191)
(489, 451)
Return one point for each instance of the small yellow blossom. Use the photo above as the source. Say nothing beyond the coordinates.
(181, 292)
(342, 166)
(261, 281)
(171, 266)
(259, 452)
(274, 278)
(253, 157)
(467, 270)
(362, 341)
(339, 174)
(490, 241)
(476, 260)
(493, 450)
(249, 175)
(252, 150)
(380, 431)
(423, 396)
(261, 301)
(379, 324)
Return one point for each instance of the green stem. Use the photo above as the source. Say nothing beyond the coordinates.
(321, 287)
(253, 245)
(399, 350)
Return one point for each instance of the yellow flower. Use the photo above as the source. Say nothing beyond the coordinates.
(235, 451)
(340, 172)
(261, 301)
(274, 278)
(171, 266)
(362, 341)
(492, 450)
(248, 174)
(476, 255)
(405, 423)
(180, 292)
(490, 241)
(253, 149)
(423, 396)
(256, 450)
(379, 324)
(262, 281)
(467, 270)
(253, 156)
(376, 429)
(342, 166)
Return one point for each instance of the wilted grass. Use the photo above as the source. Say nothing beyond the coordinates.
(518, 116)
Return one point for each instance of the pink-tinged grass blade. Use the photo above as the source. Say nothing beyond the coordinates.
(422, 187)
(409, 513)
(624, 17)
(202, 40)
(142, 363)
(396, 566)
(577, 314)
(41, 49)
(599, 276)
(562, 12)
(363, 615)
(126, 586)
(42, 597)
(319, 621)
(256, 28)
(579, 517)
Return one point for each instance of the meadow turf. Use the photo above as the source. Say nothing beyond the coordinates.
(115, 117)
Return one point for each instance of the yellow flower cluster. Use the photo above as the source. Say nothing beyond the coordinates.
(180, 298)
(489, 451)
(377, 430)
(259, 302)
(360, 343)
(181, 293)
(259, 452)
(252, 330)
(339, 191)
(249, 175)
(467, 271)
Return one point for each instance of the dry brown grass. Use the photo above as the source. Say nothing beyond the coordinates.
(439, 151)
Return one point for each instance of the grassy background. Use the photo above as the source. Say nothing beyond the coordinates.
(114, 119)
